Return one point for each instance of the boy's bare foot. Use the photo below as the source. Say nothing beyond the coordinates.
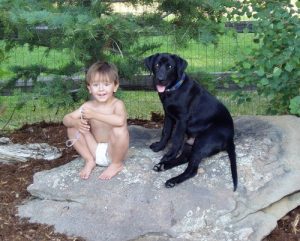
(86, 171)
(112, 170)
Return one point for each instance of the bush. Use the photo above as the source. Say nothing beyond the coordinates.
(274, 68)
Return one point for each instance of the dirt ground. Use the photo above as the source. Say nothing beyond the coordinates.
(14, 179)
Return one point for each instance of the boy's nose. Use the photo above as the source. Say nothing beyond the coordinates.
(101, 86)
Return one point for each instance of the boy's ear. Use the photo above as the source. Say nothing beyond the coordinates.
(149, 61)
(89, 88)
(116, 87)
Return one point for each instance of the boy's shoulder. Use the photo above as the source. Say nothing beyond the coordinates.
(119, 106)
(113, 104)
(88, 103)
(118, 102)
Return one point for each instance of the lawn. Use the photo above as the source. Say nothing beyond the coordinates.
(22, 56)
(208, 58)
(139, 105)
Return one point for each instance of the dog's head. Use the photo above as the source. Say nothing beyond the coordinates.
(166, 68)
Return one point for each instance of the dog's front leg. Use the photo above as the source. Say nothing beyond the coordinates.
(177, 143)
(165, 136)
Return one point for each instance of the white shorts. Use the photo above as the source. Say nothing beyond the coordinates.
(102, 158)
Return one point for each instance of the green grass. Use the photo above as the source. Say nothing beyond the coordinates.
(208, 58)
(31, 112)
(22, 56)
(139, 104)
(257, 106)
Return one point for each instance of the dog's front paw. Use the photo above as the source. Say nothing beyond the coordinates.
(158, 167)
(156, 146)
(170, 183)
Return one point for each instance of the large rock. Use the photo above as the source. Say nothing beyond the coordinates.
(135, 205)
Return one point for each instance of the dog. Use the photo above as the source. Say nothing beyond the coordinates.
(195, 122)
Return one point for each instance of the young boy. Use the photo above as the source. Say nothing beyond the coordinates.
(99, 126)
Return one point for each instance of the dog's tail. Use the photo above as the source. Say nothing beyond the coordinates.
(232, 158)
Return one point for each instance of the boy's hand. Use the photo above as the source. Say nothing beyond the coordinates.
(83, 126)
(87, 113)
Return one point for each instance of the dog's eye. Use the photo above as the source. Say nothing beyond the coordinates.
(156, 66)
(169, 66)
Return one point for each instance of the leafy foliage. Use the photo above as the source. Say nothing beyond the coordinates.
(197, 19)
(295, 105)
(89, 30)
(2, 57)
(56, 94)
(274, 68)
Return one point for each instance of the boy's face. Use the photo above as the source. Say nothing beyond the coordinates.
(102, 91)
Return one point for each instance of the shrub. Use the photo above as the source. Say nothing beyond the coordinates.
(274, 67)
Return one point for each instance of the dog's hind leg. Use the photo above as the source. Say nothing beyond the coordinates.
(189, 172)
(181, 159)
(201, 149)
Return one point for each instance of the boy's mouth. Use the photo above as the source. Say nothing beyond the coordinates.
(101, 95)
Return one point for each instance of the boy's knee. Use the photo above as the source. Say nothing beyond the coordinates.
(117, 134)
(71, 132)
(117, 131)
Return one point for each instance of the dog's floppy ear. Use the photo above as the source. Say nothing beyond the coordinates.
(181, 65)
(149, 61)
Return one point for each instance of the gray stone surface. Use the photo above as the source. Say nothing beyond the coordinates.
(10, 152)
(135, 205)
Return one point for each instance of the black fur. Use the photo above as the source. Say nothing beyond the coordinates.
(192, 114)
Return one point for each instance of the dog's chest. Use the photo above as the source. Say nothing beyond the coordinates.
(173, 108)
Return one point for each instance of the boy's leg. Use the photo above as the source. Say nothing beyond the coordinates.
(82, 147)
(117, 150)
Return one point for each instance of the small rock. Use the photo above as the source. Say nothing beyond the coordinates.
(4, 141)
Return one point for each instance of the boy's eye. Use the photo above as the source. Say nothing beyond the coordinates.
(107, 83)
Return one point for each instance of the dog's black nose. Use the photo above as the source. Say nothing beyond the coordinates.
(160, 77)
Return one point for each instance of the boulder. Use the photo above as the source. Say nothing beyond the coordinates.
(135, 205)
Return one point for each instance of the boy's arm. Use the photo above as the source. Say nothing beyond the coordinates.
(71, 119)
(75, 120)
(118, 118)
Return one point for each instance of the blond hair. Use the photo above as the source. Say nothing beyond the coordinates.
(106, 73)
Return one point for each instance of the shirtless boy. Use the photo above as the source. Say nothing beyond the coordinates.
(100, 125)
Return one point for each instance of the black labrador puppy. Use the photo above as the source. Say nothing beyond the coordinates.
(196, 122)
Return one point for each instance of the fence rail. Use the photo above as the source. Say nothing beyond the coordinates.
(138, 82)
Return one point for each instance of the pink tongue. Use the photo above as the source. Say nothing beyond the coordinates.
(160, 88)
